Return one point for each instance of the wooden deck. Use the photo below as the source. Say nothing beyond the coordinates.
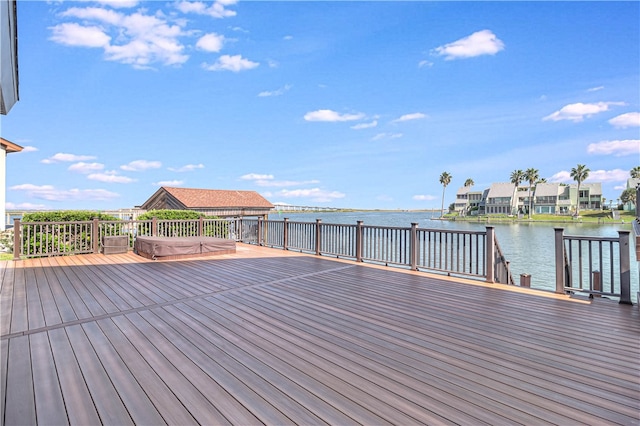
(274, 337)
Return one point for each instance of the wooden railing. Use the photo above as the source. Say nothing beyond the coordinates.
(461, 253)
(594, 265)
(598, 266)
(40, 239)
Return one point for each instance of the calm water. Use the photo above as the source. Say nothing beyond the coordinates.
(528, 246)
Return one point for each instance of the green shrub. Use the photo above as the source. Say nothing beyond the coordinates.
(189, 229)
(170, 215)
(55, 238)
(66, 216)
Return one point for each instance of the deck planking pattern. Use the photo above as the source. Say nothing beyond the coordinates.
(272, 337)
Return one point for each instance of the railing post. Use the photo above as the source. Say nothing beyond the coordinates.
(596, 280)
(154, 227)
(625, 268)
(413, 241)
(490, 253)
(259, 231)
(559, 249)
(17, 240)
(285, 234)
(200, 226)
(359, 235)
(95, 230)
(318, 236)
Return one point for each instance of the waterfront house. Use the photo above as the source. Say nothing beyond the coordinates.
(590, 196)
(469, 202)
(548, 198)
(551, 198)
(633, 183)
(210, 202)
(501, 199)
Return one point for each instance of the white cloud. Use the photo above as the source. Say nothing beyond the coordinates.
(110, 177)
(331, 116)
(239, 30)
(85, 168)
(31, 187)
(62, 157)
(50, 193)
(169, 183)
(424, 197)
(256, 176)
(105, 16)
(211, 42)
(479, 43)
(118, 3)
(578, 111)
(409, 117)
(141, 165)
(150, 40)
(425, 63)
(29, 148)
(234, 63)
(615, 148)
(72, 34)
(277, 92)
(287, 37)
(137, 39)
(561, 176)
(361, 126)
(285, 183)
(616, 175)
(314, 194)
(24, 206)
(630, 119)
(217, 9)
(269, 180)
(595, 89)
(380, 136)
(187, 168)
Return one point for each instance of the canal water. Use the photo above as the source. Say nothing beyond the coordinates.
(529, 247)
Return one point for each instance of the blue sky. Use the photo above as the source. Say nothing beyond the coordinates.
(343, 104)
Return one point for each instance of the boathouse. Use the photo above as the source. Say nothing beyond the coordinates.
(210, 202)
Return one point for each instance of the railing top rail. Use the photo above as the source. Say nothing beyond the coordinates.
(296, 222)
(447, 231)
(587, 238)
(397, 228)
(80, 222)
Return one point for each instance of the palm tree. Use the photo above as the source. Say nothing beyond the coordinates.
(445, 179)
(532, 176)
(516, 177)
(579, 173)
(628, 196)
(469, 182)
(635, 172)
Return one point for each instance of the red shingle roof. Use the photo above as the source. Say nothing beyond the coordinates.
(203, 198)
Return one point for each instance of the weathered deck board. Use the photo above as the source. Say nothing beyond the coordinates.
(274, 337)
